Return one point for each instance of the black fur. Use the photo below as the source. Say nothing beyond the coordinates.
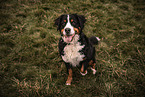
(88, 51)
(58, 22)
(93, 40)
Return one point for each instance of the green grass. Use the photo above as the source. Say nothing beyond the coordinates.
(32, 67)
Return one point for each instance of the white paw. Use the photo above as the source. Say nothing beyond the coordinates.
(68, 84)
(83, 74)
(98, 38)
(94, 71)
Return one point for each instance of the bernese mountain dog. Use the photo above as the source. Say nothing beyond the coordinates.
(75, 48)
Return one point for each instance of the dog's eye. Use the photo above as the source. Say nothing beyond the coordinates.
(72, 21)
(63, 23)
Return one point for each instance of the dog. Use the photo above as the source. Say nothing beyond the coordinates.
(75, 48)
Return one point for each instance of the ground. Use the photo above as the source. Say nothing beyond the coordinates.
(29, 58)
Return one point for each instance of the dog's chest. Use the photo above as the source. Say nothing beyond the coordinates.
(72, 54)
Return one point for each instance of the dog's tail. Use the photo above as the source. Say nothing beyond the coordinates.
(94, 40)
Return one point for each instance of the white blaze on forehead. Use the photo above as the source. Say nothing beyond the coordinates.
(68, 25)
(69, 38)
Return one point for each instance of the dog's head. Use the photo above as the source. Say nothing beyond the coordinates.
(70, 25)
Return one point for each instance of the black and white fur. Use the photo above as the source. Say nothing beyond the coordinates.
(75, 48)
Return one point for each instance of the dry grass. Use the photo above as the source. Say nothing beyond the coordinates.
(31, 66)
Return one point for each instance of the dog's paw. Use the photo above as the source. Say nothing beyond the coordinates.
(83, 74)
(94, 71)
(68, 84)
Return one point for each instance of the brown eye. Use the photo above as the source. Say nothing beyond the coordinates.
(72, 21)
(63, 23)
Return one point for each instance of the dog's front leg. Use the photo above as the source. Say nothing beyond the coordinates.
(69, 71)
(69, 79)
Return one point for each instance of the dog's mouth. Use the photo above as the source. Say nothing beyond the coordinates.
(69, 38)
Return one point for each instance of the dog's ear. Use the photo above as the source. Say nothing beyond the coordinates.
(57, 22)
(82, 20)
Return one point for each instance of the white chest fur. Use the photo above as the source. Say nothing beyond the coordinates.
(71, 52)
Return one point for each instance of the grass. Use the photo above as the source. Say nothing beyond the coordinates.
(29, 59)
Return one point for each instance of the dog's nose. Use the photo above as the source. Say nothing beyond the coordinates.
(67, 30)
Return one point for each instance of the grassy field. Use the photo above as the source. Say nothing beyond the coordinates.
(30, 65)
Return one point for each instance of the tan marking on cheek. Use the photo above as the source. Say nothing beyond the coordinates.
(76, 30)
(62, 31)
(65, 21)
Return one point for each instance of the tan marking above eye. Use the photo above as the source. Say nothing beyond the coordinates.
(64, 20)
(71, 20)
